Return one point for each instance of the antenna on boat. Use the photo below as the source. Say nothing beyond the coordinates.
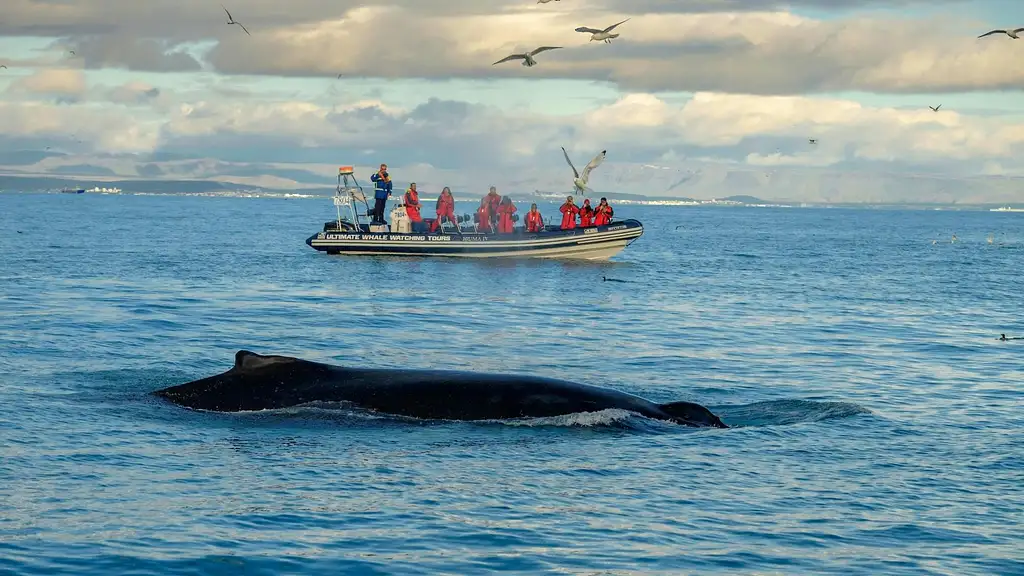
(347, 194)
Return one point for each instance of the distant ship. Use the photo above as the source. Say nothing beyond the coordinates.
(72, 190)
(1006, 209)
(97, 189)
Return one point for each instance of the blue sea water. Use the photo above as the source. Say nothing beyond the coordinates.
(877, 422)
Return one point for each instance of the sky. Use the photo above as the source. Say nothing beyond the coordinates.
(698, 98)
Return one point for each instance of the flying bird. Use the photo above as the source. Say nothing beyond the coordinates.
(605, 34)
(72, 52)
(528, 57)
(544, 1)
(812, 140)
(580, 180)
(4, 66)
(231, 20)
(935, 108)
(1010, 33)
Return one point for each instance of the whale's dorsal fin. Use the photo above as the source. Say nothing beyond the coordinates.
(692, 413)
(246, 360)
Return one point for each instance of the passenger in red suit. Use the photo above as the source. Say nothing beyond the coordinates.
(505, 211)
(483, 216)
(586, 214)
(534, 223)
(603, 213)
(569, 211)
(411, 199)
(445, 209)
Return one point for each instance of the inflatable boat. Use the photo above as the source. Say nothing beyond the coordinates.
(460, 238)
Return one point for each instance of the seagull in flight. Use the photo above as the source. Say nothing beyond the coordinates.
(1010, 33)
(4, 66)
(544, 1)
(812, 140)
(935, 108)
(605, 34)
(232, 20)
(580, 182)
(528, 57)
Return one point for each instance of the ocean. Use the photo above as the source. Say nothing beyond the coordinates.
(876, 419)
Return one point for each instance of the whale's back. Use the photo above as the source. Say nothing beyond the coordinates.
(258, 382)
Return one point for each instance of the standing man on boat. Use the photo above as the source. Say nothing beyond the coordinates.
(381, 191)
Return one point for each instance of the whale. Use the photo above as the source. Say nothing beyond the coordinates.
(265, 382)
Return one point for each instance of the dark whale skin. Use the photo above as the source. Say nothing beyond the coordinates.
(258, 382)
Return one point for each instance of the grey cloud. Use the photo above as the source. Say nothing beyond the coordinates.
(697, 6)
(149, 170)
(117, 51)
(188, 20)
(181, 20)
(130, 95)
(826, 56)
(873, 55)
(445, 134)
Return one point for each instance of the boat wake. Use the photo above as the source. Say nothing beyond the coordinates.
(785, 412)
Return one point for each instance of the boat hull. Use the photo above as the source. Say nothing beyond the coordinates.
(591, 243)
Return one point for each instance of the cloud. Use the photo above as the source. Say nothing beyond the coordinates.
(745, 46)
(67, 84)
(747, 52)
(199, 19)
(119, 51)
(133, 94)
(443, 142)
(101, 128)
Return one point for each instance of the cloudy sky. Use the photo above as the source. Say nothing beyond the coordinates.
(691, 88)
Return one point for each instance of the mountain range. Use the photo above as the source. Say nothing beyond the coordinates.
(690, 179)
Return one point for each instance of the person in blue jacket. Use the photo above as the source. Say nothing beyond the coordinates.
(381, 191)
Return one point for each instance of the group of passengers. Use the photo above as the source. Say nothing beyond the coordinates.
(495, 213)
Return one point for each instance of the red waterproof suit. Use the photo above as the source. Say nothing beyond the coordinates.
(586, 215)
(569, 212)
(534, 223)
(445, 209)
(412, 205)
(505, 212)
(483, 215)
(603, 214)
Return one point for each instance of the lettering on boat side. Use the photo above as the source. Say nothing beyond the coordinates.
(398, 237)
(590, 231)
(616, 228)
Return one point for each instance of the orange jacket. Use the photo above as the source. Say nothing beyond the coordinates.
(412, 205)
(534, 223)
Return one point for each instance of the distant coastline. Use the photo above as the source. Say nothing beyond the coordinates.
(44, 184)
